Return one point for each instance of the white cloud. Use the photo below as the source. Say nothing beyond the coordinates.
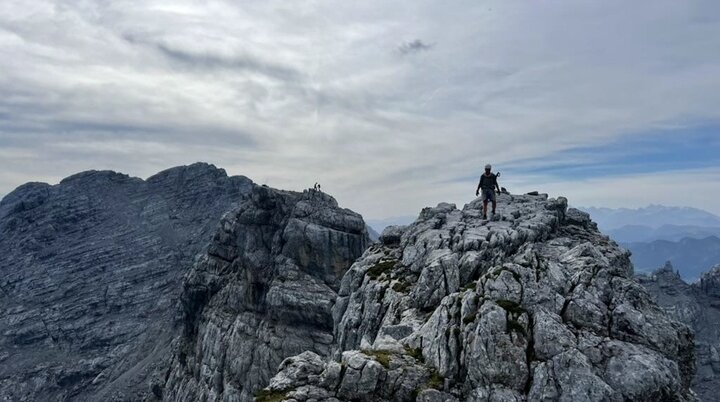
(291, 93)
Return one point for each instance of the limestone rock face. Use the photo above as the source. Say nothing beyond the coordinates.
(90, 275)
(710, 282)
(532, 305)
(264, 291)
(698, 306)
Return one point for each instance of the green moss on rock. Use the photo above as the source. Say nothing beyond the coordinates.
(515, 326)
(436, 380)
(510, 306)
(415, 353)
(380, 268)
(270, 396)
(401, 287)
(381, 356)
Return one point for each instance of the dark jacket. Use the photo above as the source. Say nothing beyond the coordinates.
(488, 182)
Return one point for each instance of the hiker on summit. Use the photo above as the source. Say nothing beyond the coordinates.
(488, 184)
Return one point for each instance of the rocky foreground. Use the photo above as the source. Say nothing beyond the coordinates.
(698, 306)
(534, 305)
(195, 286)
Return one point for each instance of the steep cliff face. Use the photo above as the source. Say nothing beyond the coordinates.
(698, 306)
(535, 305)
(264, 291)
(90, 274)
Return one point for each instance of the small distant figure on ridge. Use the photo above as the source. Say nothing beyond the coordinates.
(488, 183)
(316, 187)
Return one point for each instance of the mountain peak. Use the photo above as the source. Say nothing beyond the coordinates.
(91, 271)
(194, 169)
(532, 304)
(667, 269)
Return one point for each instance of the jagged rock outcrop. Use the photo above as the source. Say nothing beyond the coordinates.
(698, 306)
(90, 275)
(534, 305)
(264, 291)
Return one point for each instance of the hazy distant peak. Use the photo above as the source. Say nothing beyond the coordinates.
(652, 216)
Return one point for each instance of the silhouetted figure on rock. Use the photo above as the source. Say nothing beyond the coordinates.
(488, 183)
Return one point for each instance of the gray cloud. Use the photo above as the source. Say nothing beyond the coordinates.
(207, 60)
(414, 46)
(290, 94)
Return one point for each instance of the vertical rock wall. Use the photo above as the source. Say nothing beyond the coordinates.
(264, 291)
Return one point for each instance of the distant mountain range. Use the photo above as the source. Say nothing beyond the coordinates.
(688, 237)
(374, 235)
(639, 233)
(690, 257)
(380, 224)
(653, 216)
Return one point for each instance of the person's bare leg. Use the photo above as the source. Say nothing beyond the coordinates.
(494, 206)
(485, 208)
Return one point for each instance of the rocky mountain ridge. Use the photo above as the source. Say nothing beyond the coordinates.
(698, 306)
(535, 305)
(193, 285)
(689, 256)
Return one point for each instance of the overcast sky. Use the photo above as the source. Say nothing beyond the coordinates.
(391, 106)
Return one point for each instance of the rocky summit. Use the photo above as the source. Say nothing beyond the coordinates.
(195, 286)
(698, 306)
(533, 305)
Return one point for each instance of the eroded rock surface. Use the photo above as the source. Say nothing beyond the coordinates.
(698, 306)
(90, 275)
(534, 305)
(264, 291)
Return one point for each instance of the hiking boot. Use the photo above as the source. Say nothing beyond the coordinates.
(485, 216)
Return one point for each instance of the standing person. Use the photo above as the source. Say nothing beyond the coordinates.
(488, 184)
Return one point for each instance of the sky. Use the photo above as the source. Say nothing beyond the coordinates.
(391, 106)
